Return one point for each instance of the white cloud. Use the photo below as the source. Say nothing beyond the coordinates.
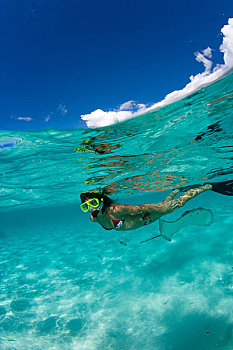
(227, 43)
(126, 106)
(62, 109)
(207, 52)
(100, 118)
(26, 119)
(131, 105)
(46, 119)
(141, 105)
(127, 110)
(207, 63)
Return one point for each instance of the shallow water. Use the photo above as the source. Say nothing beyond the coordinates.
(68, 284)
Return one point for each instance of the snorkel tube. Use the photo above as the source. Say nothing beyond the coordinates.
(95, 212)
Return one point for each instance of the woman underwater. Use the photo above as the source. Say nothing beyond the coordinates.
(123, 217)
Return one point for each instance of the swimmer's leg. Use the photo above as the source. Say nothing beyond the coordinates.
(171, 196)
(153, 212)
(184, 198)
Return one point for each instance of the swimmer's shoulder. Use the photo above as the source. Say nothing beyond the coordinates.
(115, 208)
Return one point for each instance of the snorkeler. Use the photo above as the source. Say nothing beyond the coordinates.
(111, 215)
(93, 145)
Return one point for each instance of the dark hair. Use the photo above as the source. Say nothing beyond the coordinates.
(106, 200)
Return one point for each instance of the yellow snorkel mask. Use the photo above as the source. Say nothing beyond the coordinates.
(93, 203)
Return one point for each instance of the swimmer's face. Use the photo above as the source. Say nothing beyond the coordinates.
(92, 204)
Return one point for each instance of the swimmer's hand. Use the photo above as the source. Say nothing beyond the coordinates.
(95, 213)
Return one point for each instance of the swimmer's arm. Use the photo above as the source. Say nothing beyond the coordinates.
(93, 219)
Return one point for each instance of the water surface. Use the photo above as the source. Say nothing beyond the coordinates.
(68, 284)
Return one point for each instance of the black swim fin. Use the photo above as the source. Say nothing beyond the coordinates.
(225, 187)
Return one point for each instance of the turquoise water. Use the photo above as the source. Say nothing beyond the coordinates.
(68, 284)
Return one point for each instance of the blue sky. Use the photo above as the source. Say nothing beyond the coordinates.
(63, 59)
